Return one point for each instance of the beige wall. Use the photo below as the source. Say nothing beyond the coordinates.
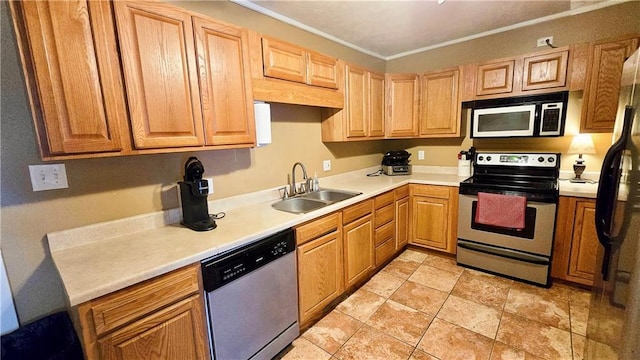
(112, 188)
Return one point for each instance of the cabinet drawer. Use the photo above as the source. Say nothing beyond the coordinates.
(384, 215)
(384, 251)
(384, 233)
(124, 306)
(357, 211)
(317, 228)
(441, 192)
(384, 199)
(401, 192)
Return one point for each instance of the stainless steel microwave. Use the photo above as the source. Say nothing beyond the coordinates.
(528, 116)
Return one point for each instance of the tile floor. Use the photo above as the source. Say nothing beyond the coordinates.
(424, 307)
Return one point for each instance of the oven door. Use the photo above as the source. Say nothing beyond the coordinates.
(506, 121)
(535, 238)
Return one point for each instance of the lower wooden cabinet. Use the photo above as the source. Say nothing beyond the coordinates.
(433, 217)
(576, 242)
(162, 317)
(358, 243)
(402, 217)
(320, 271)
(385, 227)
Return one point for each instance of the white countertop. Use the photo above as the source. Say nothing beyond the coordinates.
(99, 259)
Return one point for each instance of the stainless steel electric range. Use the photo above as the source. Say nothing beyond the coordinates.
(507, 213)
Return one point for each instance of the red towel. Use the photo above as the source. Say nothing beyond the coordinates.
(501, 210)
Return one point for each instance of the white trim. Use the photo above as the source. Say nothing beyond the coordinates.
(255, 7)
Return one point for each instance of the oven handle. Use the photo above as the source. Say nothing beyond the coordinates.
(505, 253)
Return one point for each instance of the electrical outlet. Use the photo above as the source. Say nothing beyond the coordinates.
(326, 165)
(543, 41)
(48, 177)
(420, 154)
(210, 181)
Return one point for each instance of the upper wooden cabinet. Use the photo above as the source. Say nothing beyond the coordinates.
(72, 71)
(602, 84)
(289, 62)
(402, 101)
(363, 115)
(226, 92)
(440, 104)
(544, 71)
(161, 78)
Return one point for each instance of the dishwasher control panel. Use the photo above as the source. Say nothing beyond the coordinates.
(227, 267)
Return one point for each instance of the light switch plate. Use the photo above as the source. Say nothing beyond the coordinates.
(326, 165)
(48, 177)
(420, 154)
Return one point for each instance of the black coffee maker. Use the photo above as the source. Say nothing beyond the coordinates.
(193, 194)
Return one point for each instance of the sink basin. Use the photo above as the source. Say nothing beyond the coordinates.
(330, 195)
(312, 201)
(298, 205)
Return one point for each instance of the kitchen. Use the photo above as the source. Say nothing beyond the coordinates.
(114, 188)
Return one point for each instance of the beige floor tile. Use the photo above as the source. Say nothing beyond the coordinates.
(370, 344)
(502, 351)
(534, 305)
(443, 263)
(448, 342)
(361, 304)
(332, 331)
(303, 349)
(401, 322)
(412, 255)
(421, 355)
(435, 278)
(420, 297)
(534, 337)
(578, 343)
(605, 323)
(559, 292)
(579, 316)
(579, 297)
(472, 316)
(401, 268)
(383, 284)
(599, 351)
(483, 288)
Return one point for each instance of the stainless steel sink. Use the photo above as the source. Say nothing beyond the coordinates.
(304, 203)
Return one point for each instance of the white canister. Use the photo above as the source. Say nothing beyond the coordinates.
(464, 168)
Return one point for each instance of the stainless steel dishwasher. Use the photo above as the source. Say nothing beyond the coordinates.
(252, 299)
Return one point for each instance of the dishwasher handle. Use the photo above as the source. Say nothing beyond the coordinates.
(224, 268)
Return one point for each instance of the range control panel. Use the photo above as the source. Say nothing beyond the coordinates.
(547, 160)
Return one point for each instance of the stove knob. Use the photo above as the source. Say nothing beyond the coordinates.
(540, 159)
(488, 158)
(551, 159)
(480, 158)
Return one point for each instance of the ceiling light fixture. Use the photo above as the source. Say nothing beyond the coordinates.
(440, 2)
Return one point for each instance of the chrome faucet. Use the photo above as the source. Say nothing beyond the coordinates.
(304, 186)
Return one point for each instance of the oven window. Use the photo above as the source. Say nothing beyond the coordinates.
(526, 233)
(504, 121)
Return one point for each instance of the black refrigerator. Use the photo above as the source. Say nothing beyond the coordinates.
(613, 327)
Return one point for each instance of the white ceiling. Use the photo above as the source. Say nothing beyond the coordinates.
(390, 29)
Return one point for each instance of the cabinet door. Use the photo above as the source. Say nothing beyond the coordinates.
(322, 70)
(158, 58)
(225, 83)
(375, 106)
(358, 250)
(439, 104)
(402, 222)
(175, 332)
(320, 274)
(584, 243)
(73, 75)
(430, 222)
(356, 101)
(283, 61)
(545, 71)
(495, 78)
(600, 102)
(402, 105)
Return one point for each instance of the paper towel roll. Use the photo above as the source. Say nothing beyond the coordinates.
(263, 123)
